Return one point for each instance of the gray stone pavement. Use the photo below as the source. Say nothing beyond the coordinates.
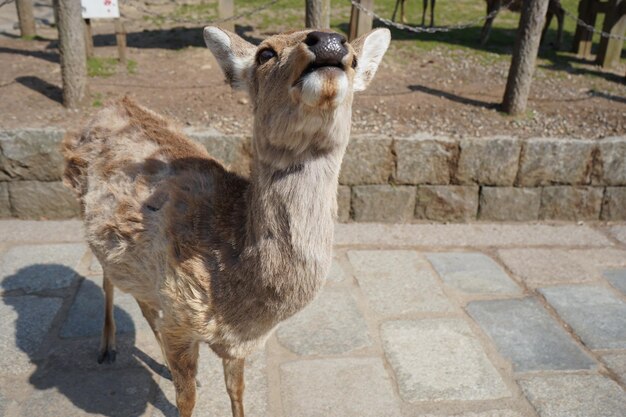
(466, 320)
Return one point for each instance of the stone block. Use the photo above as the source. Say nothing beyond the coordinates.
(343, 203)
(86, 315)
(509, 203)
(211, 398)
(49, 200)
(595, 314)
(616, 362)
(572, 395)
(383, 203)
(368, 160)
(331, 325)
(570, 203)
(24, 325)
(614, 204)
(528, 336)
(31, 154)
(612, 158)
(337, 273)
(555, 161)
(337, 387)
(440, 360)
(472, 273)
(447, 202)
(5, 203)
(33, 268)
(489, 161)
(423, 159)
(617, 277)
(231, 150)
(398, 282)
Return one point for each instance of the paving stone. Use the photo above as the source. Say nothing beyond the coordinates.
(617, 363)
(41, 232)
(619, 233)
(331, 325)
(572, 395)
(474, 235)
(489, 161)
(398, 282)
(368, 160)
(37, 200)
(595, 314)
(94, 266)
(440, 360)
(617, 277)
(383, 203)
(422, 159)
(457, 203)
(212, 398)
(5, 203)
(343, 203)
(123, 392)
(24, 324)
(613, 160)
(555, 161)
(614, 204)
(473, 273)
(571, 203)
(336, 274)
(509, 203)
(526, 334)
(86, 316)
(40, 267)
(544, 266)
(31, 154)
(491, 413)
(337, 387)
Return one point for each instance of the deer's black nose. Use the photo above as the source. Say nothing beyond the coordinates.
(329, 48)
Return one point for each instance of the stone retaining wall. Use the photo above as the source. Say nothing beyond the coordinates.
(383, 179)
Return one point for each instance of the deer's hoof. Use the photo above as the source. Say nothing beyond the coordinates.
(107, 356)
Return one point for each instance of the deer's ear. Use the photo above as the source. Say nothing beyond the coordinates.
(370, 49)
(234, 54)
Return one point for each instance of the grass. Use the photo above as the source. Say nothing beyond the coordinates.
(97, 100)
(106, 67)
(131, 66)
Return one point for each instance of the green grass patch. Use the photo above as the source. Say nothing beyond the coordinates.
(97, 100)
(131, 66)
(101, 67)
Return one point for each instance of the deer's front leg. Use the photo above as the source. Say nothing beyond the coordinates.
(233, 375)
(182, 357)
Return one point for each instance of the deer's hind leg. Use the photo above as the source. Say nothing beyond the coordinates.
(107, 351)
(182, 355)
(233, 375)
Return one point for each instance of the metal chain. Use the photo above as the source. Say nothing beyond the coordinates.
(418, 29)
(5, 2)
(141, 8)
(591, 28)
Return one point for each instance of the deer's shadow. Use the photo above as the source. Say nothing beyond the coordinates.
(62, 346)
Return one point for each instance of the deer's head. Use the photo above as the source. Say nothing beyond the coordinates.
(301, 84)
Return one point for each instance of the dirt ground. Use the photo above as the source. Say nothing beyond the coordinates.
(443, 90)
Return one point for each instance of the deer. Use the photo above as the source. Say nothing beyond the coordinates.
(554, 9)
(211, 256)
(424, 9)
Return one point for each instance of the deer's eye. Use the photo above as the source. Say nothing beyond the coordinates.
(265, 55)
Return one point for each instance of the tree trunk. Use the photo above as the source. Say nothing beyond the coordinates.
(72, 49)
(524, 56)
(26, 18)
(318, 14)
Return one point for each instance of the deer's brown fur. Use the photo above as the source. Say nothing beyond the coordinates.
(211, 256)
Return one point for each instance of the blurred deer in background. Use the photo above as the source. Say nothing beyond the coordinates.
(403, 16)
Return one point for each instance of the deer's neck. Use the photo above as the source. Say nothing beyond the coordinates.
(290, 223)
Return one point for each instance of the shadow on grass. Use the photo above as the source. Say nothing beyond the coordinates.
(43, 87)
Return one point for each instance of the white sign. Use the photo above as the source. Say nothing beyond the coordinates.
(100, 9)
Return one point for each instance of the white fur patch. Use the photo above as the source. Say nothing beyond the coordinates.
(313, 88)
(374, 48)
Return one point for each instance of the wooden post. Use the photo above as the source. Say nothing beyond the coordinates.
(88, 38)
(524, 56)
(120, 38)
(72, 50)
(226, 9)
(26, 18)
(610, 50)
(360, 23)
(317, 14)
